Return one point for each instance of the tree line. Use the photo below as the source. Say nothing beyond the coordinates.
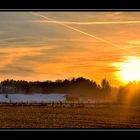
(75, 86)
(129, 93)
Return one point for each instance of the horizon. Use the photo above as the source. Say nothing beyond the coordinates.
(35, 46)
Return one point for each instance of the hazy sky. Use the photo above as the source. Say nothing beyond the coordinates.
(58, 45)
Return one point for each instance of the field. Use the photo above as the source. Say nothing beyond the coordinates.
(49, 117)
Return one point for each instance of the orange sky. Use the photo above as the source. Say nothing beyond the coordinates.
(58, 45)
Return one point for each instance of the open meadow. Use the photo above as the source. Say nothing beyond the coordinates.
(60, 117)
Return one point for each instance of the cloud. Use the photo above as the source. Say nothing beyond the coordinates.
(134, 42)
(110, 69)
(40, 48)
(12, 69)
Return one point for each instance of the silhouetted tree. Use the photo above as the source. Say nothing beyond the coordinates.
(129, 93)
(105, 88)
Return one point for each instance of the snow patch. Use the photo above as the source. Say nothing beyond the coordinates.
(32, 98)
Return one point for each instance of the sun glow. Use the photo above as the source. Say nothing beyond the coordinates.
(129, 70)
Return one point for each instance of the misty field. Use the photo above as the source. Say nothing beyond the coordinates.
(95, 117)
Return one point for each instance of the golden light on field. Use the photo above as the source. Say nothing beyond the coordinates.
(129, 70)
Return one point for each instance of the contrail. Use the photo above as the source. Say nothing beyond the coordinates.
(75, 29)
(87, 23)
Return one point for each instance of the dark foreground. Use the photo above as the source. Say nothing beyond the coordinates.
(49, 117)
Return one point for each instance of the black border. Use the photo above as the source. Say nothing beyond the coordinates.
(87, 135)
(69, 5)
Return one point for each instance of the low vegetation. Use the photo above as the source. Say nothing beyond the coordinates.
(43, 117)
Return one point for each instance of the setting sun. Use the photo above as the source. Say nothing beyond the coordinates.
(129, 70)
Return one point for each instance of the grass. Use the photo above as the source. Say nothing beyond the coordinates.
(43, 117)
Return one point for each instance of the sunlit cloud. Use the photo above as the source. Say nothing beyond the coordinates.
(59, 45)
(134, 42)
